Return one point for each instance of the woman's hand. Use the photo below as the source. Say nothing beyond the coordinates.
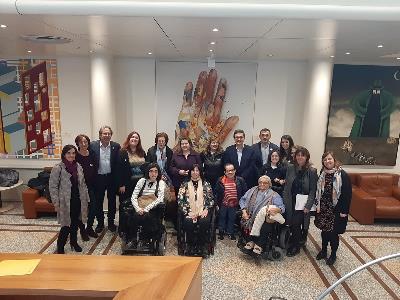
(343, 215)
(245, 215)
(282, 181)
(306, 210)
(318, 210)
(141, 211)
(204, 213)
(274, 210)
(122, 190)
(183, 172)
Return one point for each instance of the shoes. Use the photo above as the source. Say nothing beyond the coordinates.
(293, 251)
(331, 260)
(322, 254)
(90, 232)
(257, 250)
(248, 248)
(84, 235)
(232, 236)
(112, 227)
(60, 250)
(99, 228)
(221, 236)
(76, 247)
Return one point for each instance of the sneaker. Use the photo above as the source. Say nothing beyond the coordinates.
(321, 255)
(221, 236)
(331, 260)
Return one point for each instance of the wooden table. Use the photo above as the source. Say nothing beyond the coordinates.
(101, 277)
(4, 208)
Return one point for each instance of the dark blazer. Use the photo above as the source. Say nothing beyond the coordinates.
(241, 189)
(279, 172)
(179, 162)
(213, 166)
(247, 169)
(152, 157)
(115, 147)
(257, 149)
(309, 187)
(343, 204)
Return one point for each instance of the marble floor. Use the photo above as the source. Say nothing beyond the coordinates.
(229, 274)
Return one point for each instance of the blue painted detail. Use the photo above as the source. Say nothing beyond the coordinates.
(13, 128)
(10, 88)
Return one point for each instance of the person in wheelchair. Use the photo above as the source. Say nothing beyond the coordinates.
(195, 199)
(146, 198)
(252, 202)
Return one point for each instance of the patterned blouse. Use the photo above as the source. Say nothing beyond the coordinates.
(183, 197)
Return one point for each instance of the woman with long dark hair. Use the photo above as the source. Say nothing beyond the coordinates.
(300, 187)
(285, 149)
(212, 162)
(70, 197)
(275, 170)
(333, 202)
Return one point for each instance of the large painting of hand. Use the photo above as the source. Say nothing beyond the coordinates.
(200, 115)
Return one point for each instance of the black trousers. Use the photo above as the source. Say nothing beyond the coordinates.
(266, 232)
(332, 238)
(91, 206)
(296, 225)
(196, 232)
(150, 223)
(105, 183)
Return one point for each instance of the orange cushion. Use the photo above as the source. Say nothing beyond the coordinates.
(387, 207)
(42, 205)
(377, 185)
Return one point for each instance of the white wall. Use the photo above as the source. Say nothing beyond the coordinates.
(281, 92)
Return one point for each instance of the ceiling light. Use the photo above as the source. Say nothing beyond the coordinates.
(3, 26)
(212, 43)
(91, 51)
(380, 46)
(29, 51)
(348, 53)
(332, 56)
(270, 55)
(150, 53)
(215, 30)
(398, 58)
(211, 50)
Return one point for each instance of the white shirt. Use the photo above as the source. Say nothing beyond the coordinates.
(265, 153)
(239, 154)
(105, 157)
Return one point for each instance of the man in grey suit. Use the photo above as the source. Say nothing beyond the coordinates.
(263, 148)
(106, 153)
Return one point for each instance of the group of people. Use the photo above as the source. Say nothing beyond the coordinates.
(266, 182)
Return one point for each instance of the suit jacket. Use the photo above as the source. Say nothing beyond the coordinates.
(247, 169)
(257, 149)
(152, 157)
(115, 148)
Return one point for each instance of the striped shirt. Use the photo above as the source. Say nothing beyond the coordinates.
(230, 195)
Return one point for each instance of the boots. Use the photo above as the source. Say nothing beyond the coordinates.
(73, 239)
(325, 239)
(62, 239)
(84, 234)
(334, 246)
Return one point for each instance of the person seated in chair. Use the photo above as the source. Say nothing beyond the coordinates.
(148, 193)
(195, 199)
(253, 201)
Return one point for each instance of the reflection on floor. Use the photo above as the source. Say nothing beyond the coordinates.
(230, 275)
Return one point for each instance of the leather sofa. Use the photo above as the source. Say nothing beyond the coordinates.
(34, 204)
(375, 196)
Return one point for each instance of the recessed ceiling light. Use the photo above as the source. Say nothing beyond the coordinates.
(29, 51)
(3, 26)
(380, 46)
(212, 43)
(215, 30)
(270, 55)
(211, 50)
(398, 58)
(91, 51)
(332, 56)
(150, 53)
(348, 53)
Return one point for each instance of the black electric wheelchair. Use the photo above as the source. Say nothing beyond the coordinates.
(277, 242)
(141, 242)
(184, 248)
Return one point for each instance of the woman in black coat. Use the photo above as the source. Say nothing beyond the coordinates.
(213, 167)
(276, 171)
(333, 199)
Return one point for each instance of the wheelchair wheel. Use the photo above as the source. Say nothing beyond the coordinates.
(162, 244)
(284, 237)
(275, 254)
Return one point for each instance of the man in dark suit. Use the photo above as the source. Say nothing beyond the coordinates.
(161, 154)
(263, 148)
(106, 153)
(243, 158)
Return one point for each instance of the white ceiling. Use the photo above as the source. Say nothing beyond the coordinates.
(189, 38)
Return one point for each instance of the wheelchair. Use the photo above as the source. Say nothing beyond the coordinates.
(277, 243)
(141, 242)
(184, 248)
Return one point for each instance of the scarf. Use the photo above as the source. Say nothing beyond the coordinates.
(72, 168)
(253, 207)
(196, 198)
(336, 189)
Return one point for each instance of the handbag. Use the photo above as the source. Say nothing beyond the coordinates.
(144, 201)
